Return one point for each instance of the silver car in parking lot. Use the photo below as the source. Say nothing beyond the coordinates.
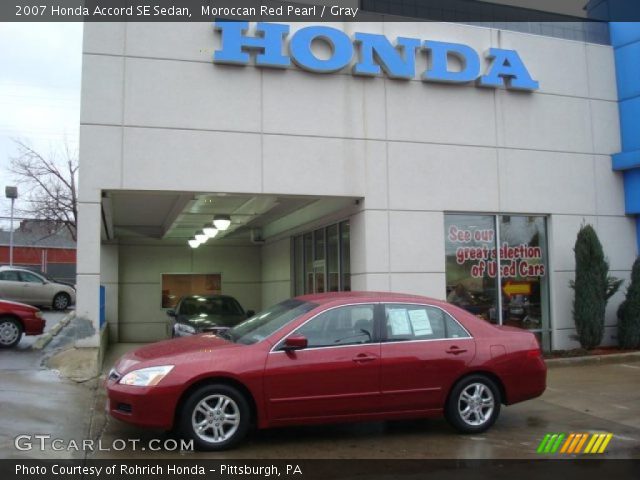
(25, 286)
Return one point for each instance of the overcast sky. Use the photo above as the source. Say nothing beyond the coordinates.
(39, 89)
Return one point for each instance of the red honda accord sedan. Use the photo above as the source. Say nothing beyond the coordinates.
(329, 358)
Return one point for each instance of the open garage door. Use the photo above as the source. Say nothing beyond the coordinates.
(271, 247)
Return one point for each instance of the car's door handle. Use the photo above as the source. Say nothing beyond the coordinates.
(364, 357)
(456, 350)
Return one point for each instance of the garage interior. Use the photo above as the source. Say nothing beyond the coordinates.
(145, 235)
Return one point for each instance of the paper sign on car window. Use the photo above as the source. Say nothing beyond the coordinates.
(399, 322)
(420, 322)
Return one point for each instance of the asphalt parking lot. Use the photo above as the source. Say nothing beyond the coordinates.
(585, 398)
(580, 398)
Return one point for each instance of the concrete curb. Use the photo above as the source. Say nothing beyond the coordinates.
(594, 359)
(44, 340)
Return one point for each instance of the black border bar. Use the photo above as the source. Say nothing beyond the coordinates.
(464, 11)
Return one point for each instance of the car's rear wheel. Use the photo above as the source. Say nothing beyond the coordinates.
(474, 404)
(61, 301)
(215, 416)
(10, 332)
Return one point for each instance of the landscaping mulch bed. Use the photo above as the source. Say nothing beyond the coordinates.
(581, 352)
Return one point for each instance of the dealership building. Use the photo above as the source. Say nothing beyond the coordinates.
(441, 159)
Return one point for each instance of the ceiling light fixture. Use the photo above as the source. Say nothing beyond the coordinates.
(193, 243)
(222, 222)
(201, 237)
(210, 231)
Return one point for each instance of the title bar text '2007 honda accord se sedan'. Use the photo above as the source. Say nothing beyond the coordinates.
(329, 358)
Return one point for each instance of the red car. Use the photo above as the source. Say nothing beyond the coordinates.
(329, 358)
(16, 319)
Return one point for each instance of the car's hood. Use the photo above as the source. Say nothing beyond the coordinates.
(200, 322)
(22, 306)
(168, 351)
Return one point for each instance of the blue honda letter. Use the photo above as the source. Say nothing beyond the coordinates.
(268, 43)
(300, 46)
(507, 70)
(397, 62)
(440, 53)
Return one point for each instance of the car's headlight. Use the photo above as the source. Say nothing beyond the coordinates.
(37, 314)
(146, 377)
(183, 328)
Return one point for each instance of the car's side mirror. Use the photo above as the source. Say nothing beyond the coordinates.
(250, 313)
(171, 313)
(295, 342)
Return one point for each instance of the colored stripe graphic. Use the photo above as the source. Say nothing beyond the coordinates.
(543, 443)
(605, 443)
(582, 442)
(567, 442)
(574, 442)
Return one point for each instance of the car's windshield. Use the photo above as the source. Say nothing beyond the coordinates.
(265, 323)
(198, 305)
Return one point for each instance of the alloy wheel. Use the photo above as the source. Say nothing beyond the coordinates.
(215, 418)
(476, 404)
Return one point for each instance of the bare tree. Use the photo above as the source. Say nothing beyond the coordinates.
(50, 184)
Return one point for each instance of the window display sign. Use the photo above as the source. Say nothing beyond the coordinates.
(496, 268)
(521, 260)
(178, 285)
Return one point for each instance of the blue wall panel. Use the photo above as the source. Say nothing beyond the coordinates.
(623, 33)
(625, 38)
(632, 190)
(630, 124)
(628, 70)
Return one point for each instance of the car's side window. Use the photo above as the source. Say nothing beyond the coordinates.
(29, 277)
(9, 276)
(348, 325)
(419, 322)
(454, 329)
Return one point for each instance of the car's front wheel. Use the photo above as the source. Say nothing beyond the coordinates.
(474, 404)
(10, 332)
(215, 416)
(61, 301)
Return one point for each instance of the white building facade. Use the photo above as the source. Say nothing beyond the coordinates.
(336, 181)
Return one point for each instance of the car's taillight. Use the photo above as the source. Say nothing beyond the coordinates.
(534, 353)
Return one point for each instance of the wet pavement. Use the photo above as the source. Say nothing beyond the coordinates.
(580, 398)
(35, 400)
(22, 356)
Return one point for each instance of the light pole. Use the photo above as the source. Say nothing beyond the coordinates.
(12, 193)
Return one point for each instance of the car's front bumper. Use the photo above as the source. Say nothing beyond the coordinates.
(152, 407)
(33, 325)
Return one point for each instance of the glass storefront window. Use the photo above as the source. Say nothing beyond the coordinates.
(298, 261)
(523, 265)
(321, 260)
(308, 262)
(471, 283)
(509, 251)
(333, 259)
(319, 265)
(345, 257)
